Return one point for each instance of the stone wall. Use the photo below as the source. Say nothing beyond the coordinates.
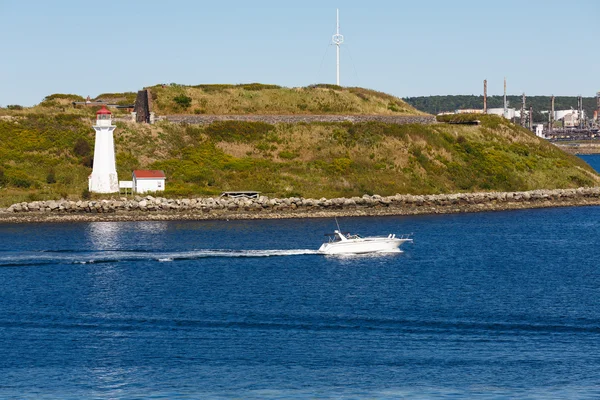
(294, 119)
(141, 208)
(142, 106)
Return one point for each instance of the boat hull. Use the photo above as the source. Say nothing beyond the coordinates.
(363, 246)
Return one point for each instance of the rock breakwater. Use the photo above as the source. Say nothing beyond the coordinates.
(159, 208)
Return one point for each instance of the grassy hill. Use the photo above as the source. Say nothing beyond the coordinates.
(258, 98)
(46, 152)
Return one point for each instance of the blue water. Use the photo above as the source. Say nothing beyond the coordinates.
(592, 159)
(480, 305)
(488, 305)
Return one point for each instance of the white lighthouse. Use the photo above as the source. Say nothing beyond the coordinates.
(104, 173)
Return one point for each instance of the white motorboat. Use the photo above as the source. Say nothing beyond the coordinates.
(345, 243)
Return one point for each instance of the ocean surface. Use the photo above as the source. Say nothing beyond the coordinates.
(487, 305)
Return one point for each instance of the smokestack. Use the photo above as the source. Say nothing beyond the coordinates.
(551, 114)
(531, 118)
(523, 112)
(580, 112)
(485, 96)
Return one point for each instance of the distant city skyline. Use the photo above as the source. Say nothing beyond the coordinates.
(407, 49)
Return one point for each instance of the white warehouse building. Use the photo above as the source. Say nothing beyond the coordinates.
(500, 111)
(148, 181)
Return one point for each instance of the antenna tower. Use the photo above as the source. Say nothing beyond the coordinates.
(338, 40)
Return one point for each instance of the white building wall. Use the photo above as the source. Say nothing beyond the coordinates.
(500, 112)
(539, 130)
(144, 185)
(104, 172)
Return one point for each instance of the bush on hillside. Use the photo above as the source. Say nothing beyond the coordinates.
(257, 86)
(325, 86)
(82, 148)
(238, 131)
(63, 96)
(51, 177)
(183, 101)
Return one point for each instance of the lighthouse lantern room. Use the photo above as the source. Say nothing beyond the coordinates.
(104, 172)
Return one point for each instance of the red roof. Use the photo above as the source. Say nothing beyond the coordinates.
(103, 110)
(144, 173)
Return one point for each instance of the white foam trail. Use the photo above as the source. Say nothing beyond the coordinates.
(121, 256)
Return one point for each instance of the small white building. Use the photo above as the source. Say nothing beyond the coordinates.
(148, 181)
(539, 130)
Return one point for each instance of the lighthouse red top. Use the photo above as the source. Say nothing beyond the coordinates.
(103, 111)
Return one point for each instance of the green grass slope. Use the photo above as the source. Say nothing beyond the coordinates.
(258, 98)
(44, 156)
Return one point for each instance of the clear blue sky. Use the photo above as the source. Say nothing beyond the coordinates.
(406, 48)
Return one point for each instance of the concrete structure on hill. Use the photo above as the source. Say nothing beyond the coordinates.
(148, 181)
(104, 173)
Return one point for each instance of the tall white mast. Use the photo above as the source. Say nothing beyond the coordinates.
(338, 40)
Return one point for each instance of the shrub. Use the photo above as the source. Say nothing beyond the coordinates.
(82, 148)
(62, 96)
(85, 194)
(325, 86)
(213, 88)
(238, 131)
(183, 101)
(87, 161)
(19, 179)
(393, 107)
(288, 155)
(14, 107)
(257, 86)
(51, 177)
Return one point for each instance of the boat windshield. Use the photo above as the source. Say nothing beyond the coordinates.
(350, 236)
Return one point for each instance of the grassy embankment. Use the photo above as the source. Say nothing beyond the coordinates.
(271, 99)
(47, 154)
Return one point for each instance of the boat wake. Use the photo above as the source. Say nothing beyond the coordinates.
(116, 256)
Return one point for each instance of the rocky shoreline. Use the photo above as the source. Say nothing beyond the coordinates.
(151, 208)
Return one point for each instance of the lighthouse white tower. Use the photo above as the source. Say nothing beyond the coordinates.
(104, 173)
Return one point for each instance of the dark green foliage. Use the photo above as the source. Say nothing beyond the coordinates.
(87, 161)
(51, 177)
(460, 118)
(238, 131)
(14, 107)
(288, 155)
(211, 88)
(126, 97)
(82, 148)
(19, 179)
(257, 86)
(3, 179)
(325, 86)
(85, 194)
(183, 101)
(62, 96)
